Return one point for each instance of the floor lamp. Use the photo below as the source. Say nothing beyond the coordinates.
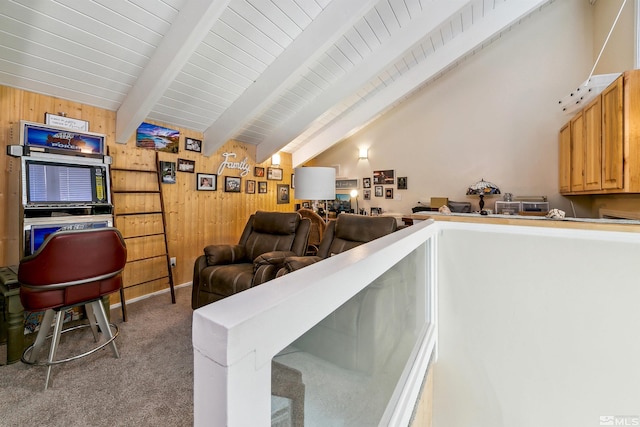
(315, 183)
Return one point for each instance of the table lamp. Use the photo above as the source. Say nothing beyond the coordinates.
(482, 188)
(315, 183)
(354, 194)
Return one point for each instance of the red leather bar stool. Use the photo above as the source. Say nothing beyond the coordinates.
(71, 268)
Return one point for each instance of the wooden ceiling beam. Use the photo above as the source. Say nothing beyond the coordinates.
(329, 26)
(432, 16)
(474, 37)
(191, 26)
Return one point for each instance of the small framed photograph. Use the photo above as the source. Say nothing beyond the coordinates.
(367, 194)
(191, 144)
(258, 171)
(207, 182)
(378, 190)
(262, 187)
(366, 182)
(168, 171)
(186, 165)
(306, 205)
(402, 183)
(384, 177)
(274, 173)
(376, 211)
(283, 193)
(232, 184)
(250, 187)
(388, 193)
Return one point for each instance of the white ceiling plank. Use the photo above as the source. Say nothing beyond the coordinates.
(350, 122)
(311, 43)
(191, 26)
(366, 70)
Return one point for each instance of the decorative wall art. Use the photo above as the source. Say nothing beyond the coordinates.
(378, 190)
(66, 122)
(191, 144)
(402, 183)
(258, 171)
(274, 173)
(283, 193)
(346, 184)
(207, 182)
(366, 182)
(250, 187)
(186, 165)
(388, 193)
(262, 187)
(168, 172)
(232, 184)
(384, 177)
(157, 138)
(366, 194)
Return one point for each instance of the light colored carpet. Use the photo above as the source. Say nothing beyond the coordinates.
(151, 383)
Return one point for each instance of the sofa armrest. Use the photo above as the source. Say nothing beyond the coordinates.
(266, 266)
(272, 258)
(224, 254)
(294, 263)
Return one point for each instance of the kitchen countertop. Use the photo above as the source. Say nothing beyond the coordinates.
(604, 224)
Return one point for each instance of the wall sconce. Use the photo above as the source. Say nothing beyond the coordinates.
(275, 160)
(363, 153)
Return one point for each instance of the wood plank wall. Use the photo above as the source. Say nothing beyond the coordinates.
(195, 219)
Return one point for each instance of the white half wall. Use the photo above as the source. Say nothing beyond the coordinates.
(537, 330)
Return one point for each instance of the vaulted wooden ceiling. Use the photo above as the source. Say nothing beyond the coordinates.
(290, 75)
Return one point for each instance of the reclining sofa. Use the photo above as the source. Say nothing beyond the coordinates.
(267, 239)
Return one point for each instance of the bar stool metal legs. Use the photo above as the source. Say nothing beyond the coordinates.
(97, 318)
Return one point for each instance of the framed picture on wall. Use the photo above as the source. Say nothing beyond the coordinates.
(378, 190)
(366, 182)
(274, 173)
(402, 183)
(262, 187)
(232, 184)
(168, 171)
(186, 165)
(207, 182)
(191, 144)
(258, 171)
(384, 177)
(250, 186)
(367, 194)
(388, 193)
(283, 193)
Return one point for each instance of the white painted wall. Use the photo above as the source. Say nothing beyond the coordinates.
(538, 329)
(495, 117)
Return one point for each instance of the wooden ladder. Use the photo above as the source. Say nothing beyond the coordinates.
(139, 214)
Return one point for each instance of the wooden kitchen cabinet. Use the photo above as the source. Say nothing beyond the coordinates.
(564, 156)
(604, 155)
(577, 152)
(612, 136)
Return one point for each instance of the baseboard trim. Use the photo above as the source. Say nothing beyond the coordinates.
(153, 294)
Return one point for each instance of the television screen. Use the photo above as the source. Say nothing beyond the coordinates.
(50, 183)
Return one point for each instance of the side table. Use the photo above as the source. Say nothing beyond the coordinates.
(12, 318)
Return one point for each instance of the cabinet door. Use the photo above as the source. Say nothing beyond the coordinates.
(612, 137)
(577, 153)
(564, 159)
(593, 145)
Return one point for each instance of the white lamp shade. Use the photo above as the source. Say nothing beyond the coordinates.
(315, 183)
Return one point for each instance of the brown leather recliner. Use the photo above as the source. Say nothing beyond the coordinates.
(363, 332)
(267, 239)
